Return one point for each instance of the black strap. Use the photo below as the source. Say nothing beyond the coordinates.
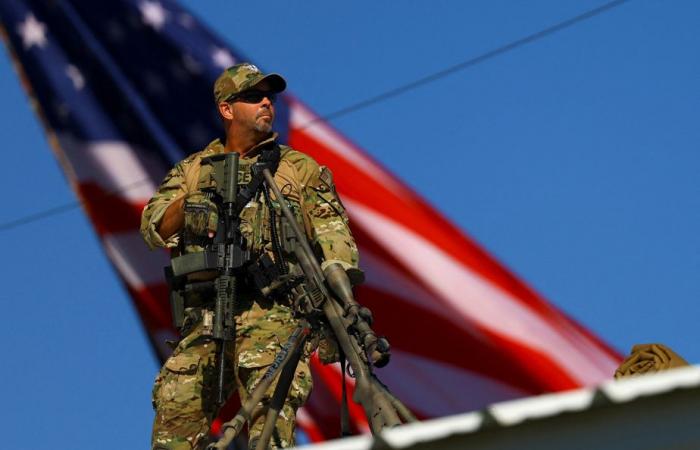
(269, 159)
(274, 235)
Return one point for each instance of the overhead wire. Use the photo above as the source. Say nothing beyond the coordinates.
(66, 206)
(471, 62)
(378, 98)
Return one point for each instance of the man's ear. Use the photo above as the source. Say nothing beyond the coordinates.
(226, 110)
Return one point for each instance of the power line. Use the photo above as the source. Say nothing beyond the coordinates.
(38, 215)
(65, 207)
(394, 92)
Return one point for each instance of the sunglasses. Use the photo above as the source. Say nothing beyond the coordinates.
(252, 97)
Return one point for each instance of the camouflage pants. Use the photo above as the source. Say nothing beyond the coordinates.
(184, 395)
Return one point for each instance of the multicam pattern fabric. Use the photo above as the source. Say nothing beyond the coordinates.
(307, 187)
(241, 77)
(182, 395)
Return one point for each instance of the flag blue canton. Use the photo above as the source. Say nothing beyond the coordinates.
(135, 71)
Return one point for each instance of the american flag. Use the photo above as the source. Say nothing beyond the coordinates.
(123, 89)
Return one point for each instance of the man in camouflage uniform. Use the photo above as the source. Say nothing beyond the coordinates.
(184, 392)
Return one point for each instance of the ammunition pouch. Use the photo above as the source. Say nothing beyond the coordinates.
(199, 294)
(177, 301)
(187, 295)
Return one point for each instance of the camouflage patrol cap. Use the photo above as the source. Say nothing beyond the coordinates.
(241, 77)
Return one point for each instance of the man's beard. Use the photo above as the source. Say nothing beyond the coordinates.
(263, 127)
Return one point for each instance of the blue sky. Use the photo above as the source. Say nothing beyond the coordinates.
(574, 160)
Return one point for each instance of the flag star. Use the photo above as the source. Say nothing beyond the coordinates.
(75, 76)
(222, 58)
(33, 32)
(153, 14)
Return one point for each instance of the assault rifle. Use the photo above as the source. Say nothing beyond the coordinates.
(226, 254)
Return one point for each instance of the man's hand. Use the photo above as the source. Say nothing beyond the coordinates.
(201, 215)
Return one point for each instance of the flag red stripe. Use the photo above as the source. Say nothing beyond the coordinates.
(110, 212)
(490, 356)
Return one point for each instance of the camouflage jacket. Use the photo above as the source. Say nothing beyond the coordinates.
(307, 187)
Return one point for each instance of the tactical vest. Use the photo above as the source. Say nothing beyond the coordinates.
(255, 216)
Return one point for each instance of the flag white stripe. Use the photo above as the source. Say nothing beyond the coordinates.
(300, 116)
(482, 302)
(435, 388)
(115, 166)
(383, 277)
(139, 266)
(447, 389)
